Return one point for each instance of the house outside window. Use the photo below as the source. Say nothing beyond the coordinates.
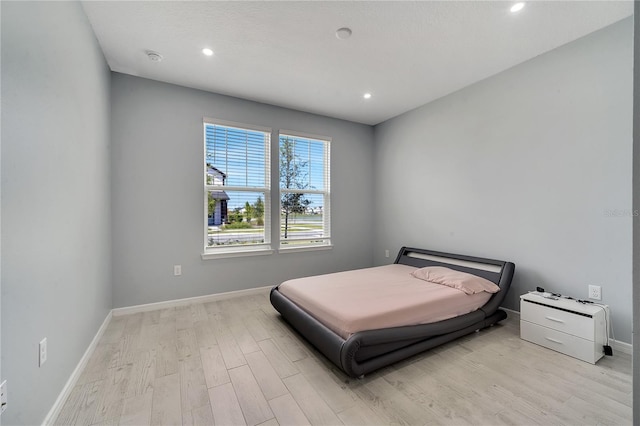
(217, 200)
(237, 193)
(304, 168)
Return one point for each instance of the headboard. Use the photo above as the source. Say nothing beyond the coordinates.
(496, 271)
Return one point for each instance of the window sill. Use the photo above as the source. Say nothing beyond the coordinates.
(308, 248)
(230, 254)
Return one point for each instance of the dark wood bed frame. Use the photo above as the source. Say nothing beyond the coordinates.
(366, 351)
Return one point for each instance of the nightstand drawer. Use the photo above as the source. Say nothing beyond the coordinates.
(557, 319)
(558, 341)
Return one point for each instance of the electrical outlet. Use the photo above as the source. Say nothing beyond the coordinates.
(43, 351)
(177, 270)
(595, 292)
(3, 396)
(386, 253)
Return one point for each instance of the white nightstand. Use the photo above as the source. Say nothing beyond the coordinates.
(573, 328)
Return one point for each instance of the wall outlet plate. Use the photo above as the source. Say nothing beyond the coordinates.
(177, 270)
(595, 292)
(42, 347)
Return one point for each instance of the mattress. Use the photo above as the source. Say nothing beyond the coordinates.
(376, 298)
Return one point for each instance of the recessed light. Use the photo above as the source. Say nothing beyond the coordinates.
(367, 96)
(517, 7)
(207, 51)
(343, 33)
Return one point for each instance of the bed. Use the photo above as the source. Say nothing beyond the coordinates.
(383, 341)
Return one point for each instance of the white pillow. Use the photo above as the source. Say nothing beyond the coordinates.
(462, 281)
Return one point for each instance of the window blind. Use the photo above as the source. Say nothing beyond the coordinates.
(237, 178)
(305, 217)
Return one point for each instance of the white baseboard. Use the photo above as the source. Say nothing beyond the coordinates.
(73, 379)
(510, 310)
(624, 347)
(188, 301)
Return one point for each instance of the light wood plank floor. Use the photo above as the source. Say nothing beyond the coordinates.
(235, 362)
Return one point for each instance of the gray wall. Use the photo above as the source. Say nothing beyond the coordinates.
(157, 194)
(530, 166)
(1, 375)
(636, 219)
(56, 265)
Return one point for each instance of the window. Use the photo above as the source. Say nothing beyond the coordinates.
(237, 194)
(304, 191)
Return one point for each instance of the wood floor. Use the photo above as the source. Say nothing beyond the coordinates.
(236, 362)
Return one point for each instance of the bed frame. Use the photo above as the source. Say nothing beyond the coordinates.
(366, 351)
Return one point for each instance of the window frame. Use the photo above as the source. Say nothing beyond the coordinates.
(326, 193)
(238, 250)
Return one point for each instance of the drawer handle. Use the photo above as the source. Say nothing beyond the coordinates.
(555, 319)
(553, 340)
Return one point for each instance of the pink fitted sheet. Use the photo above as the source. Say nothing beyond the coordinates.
(375, 298)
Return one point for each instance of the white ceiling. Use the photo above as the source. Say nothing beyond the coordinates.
(286, 53)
